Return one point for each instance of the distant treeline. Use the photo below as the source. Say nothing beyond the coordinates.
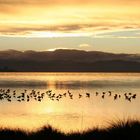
(68, 61)
(6, 69)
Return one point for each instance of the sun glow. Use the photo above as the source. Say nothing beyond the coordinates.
(54, 34)
(70, 23)
(68, 20)
(44, 34)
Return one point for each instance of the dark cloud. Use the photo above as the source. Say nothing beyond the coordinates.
(30, 28)
(67, 28)
(56, 28)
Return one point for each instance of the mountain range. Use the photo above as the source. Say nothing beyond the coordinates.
(63, 60)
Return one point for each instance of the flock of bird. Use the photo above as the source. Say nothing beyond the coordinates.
(10, 95)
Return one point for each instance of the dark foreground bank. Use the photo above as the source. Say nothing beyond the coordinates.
(128, 130)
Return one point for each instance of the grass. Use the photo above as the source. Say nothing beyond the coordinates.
(121, 130)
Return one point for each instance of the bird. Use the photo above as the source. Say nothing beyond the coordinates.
(19, 97)
(71, 96)
(19, 100)
(97, 93)
(134, 96)
(9, 100)
(69, 92)
(80, 95)
(64, 94)
(103, 96)
(129, 99)
(88, 95)
(109, 93)
(23, 95)
(115, 97)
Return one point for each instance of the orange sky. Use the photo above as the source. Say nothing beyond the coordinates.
(59, 16)
(68, 18)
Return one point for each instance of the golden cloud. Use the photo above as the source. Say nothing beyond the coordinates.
(27, 29)
(19, 2)
(21, 17)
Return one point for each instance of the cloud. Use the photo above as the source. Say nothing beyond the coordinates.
(59, 48)
(69, 20)
(36, 2)
(43, 3)
(84, 45)
(129, 33)
(80, 47)
(32, 17)
(28, 29)
(97, 29)
(20, 5)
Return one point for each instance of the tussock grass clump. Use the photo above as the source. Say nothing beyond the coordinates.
(119, 130)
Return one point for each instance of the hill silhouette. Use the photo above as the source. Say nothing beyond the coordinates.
(68, 61)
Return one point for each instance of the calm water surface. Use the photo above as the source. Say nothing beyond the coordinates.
(69, 114)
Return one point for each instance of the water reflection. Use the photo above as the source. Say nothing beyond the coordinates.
(68, 84)
(67, 101)
(95, 84)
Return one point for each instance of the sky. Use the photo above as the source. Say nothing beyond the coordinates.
(91, 25)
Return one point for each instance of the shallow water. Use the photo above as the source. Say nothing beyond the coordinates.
(78, 113)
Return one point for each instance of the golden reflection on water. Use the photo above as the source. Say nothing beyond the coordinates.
(70, 114)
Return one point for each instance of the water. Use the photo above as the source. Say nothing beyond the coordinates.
(69, 114)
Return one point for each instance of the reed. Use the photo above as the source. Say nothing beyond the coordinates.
(119, 130)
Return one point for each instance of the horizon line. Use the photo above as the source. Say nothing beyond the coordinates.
(66, 49)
